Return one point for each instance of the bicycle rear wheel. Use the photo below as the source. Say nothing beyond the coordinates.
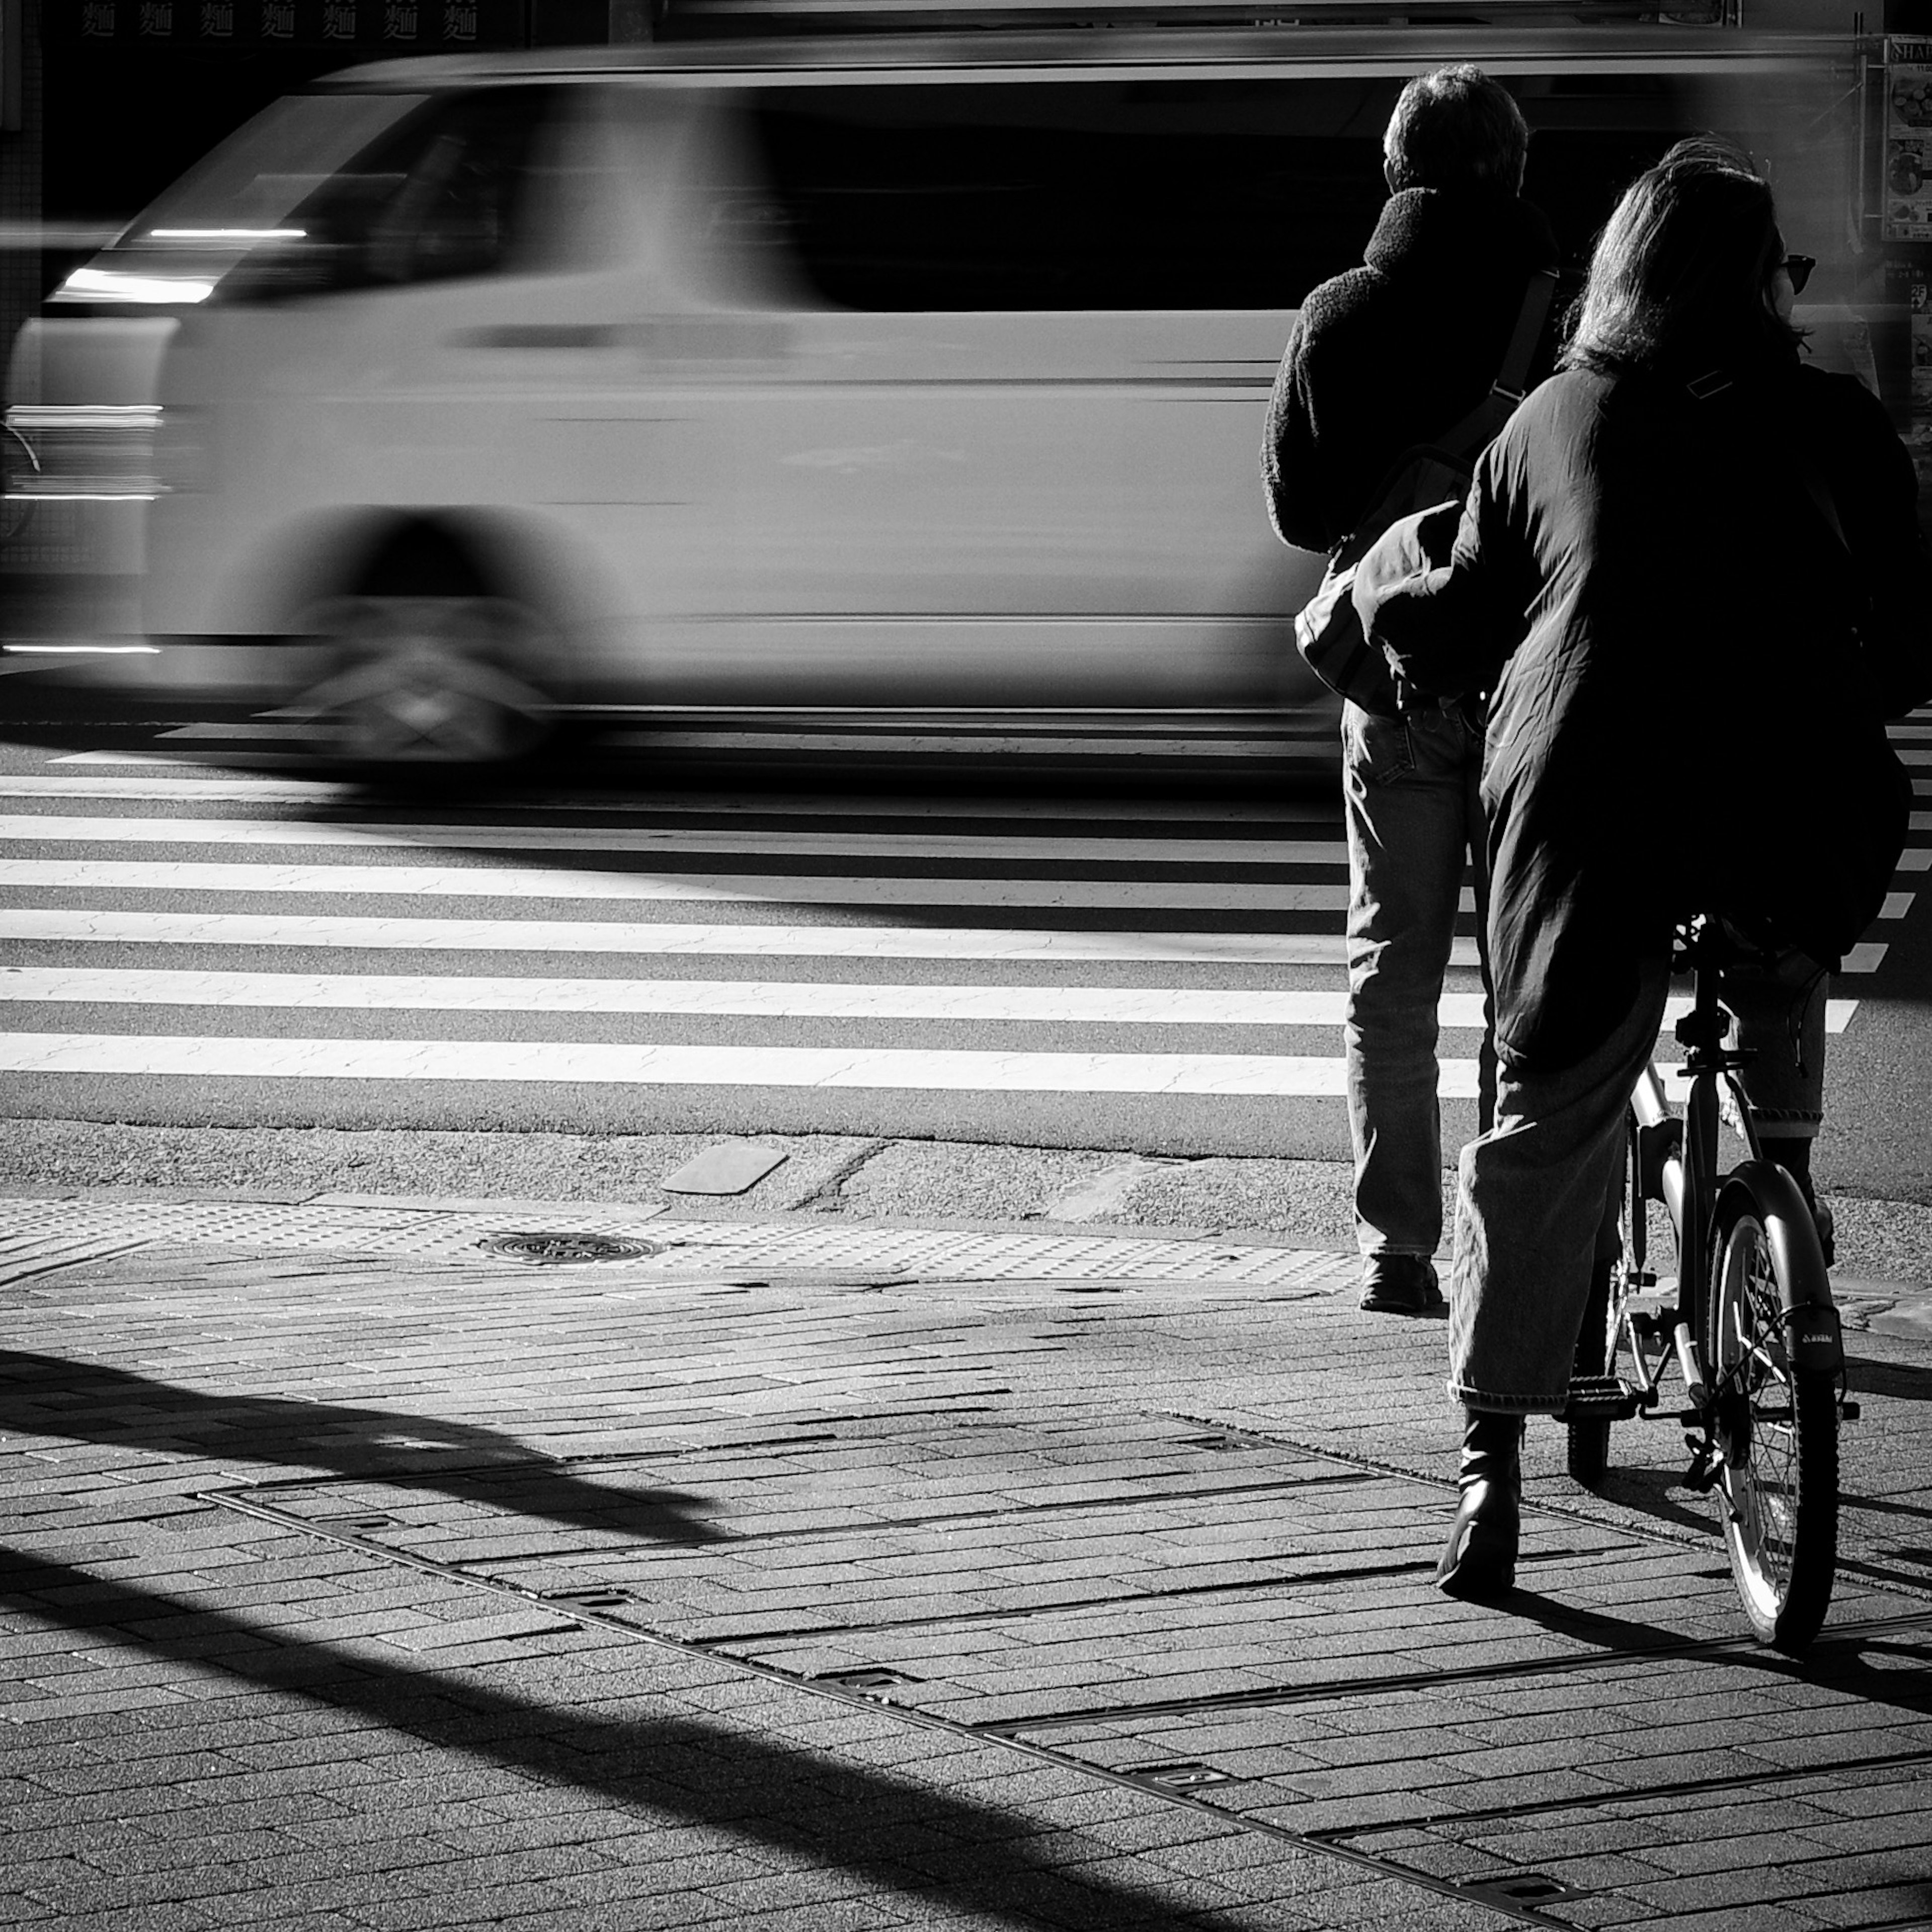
(1777, 1427)
(1588, 1450)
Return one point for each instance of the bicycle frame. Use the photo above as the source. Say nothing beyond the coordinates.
(1754, 1332)
(1677, 1164)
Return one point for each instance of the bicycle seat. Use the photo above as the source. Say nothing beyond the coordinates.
(1716, 940)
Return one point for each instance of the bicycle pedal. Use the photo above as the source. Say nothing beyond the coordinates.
(1703, 1474)
(1599, 1399)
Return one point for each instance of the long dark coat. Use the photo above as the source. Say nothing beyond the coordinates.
(1688, 673)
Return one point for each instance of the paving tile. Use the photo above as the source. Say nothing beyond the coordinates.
(444, 1755)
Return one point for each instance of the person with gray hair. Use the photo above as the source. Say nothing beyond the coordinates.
(1384, 357)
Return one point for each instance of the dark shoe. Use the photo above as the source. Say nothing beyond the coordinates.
(1479, 1562)
(1400, 1284)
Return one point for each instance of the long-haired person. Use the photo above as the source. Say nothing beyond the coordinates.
(1690, 576)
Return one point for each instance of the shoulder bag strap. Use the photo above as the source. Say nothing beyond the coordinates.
(1474, 431)
(1513, 379)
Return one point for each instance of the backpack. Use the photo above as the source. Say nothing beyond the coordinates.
(1327, 633)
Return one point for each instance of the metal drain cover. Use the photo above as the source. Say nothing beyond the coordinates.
(1181, 1777)
(1520, 1888)
(542, 1250)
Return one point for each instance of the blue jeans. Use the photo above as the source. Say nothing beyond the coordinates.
(1410, 786)
(1531, 1214)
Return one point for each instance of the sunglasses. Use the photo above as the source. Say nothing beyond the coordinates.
(1799, 268)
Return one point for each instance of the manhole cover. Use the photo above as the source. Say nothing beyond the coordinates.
(541, 1250)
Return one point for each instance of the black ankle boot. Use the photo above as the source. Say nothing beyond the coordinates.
(1480, 1560)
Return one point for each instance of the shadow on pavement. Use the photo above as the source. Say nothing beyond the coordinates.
(87, 1402)
(1891, 1671)
(1900, 1380)
(897, 1835)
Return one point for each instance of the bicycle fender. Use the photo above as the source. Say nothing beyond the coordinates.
(1812, 1331)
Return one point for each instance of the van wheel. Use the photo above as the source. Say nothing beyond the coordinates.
(417, 682)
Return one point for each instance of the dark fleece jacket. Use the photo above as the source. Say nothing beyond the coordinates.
(1395, 352)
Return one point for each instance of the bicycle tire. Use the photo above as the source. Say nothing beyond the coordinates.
(1777, 1427)
(1587, 1454)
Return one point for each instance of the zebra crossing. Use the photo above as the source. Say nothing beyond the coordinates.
(172, 923)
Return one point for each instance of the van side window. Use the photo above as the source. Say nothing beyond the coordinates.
(1591, 135)
(1058, 194)
(445, 196)
(1233, 193)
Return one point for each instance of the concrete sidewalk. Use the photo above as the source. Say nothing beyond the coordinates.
(808, 1570)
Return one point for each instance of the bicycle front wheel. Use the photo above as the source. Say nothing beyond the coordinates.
(1777, 1427)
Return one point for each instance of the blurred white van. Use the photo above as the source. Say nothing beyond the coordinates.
(452, 396)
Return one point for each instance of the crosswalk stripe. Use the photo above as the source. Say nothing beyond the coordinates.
(789, 999)
(550, 883)
(786, 804)
(993, 740)
(803, 888)
(1127, 849)
(602, 1063)
(121, 926)
(931, 744)
(47, 785)
(805, 999)
(128, 926)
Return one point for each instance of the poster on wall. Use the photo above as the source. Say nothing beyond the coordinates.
(1908, 140)
(1917, 429)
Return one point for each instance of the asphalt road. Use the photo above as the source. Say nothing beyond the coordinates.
(1090, 933)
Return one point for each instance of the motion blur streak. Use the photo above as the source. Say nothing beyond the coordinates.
(447, 400)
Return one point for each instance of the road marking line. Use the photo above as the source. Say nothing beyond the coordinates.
(783, 999)
(127, 927)
(809, 999)
(123, 927)
(41, 785)
(784, 805)
(620, 1063)
(549, 883)
(543, 882)
(1129, 849)
(1001, 741)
